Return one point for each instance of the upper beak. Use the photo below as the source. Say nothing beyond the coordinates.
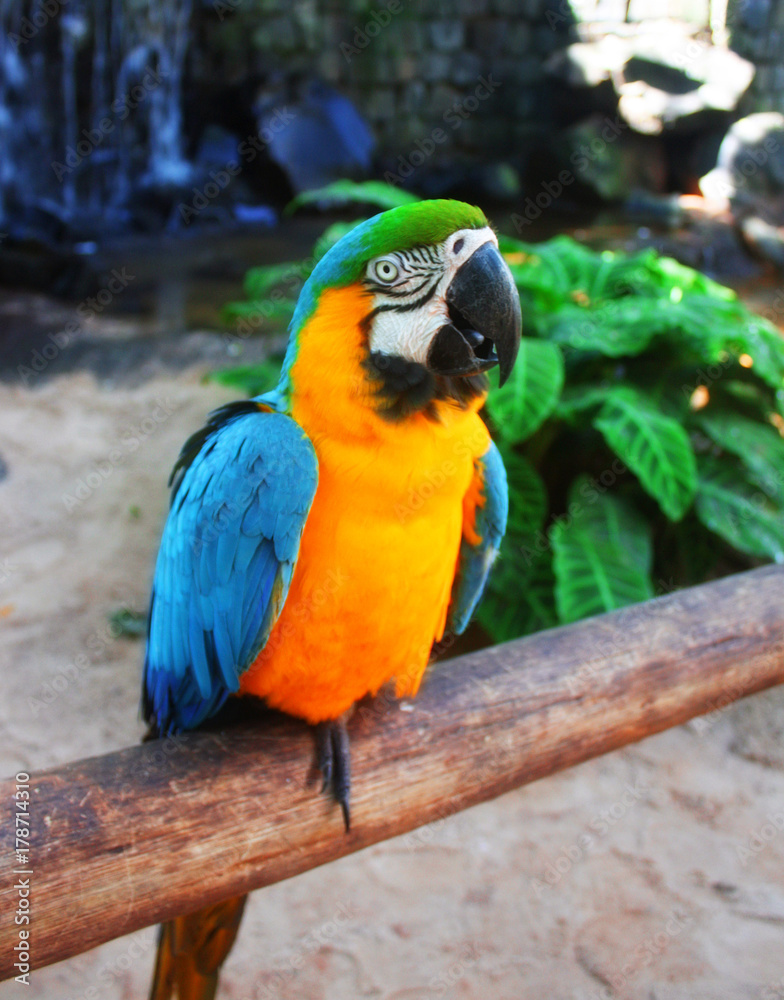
(486, 323)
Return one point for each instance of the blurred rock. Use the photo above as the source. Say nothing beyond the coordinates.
(217, 146)
(607, 157)
(676, 85)
(447, 36)
(663, 81)
(750, 167)
(766, 240)
(749, 180)
(587, 64)
(468, 182)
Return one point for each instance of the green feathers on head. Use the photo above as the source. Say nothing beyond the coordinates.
(423, 223)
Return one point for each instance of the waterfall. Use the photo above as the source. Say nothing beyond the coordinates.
(90, 109)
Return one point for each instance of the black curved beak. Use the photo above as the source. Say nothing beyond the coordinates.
(486, 323)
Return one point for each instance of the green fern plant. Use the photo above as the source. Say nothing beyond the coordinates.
(641, 427)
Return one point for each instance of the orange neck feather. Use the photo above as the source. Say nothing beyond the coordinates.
(332, 392)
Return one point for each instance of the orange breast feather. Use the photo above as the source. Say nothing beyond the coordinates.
(371, 587)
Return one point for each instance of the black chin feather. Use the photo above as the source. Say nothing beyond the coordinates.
(407, 387)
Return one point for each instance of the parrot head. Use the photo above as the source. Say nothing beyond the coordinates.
(436, 302)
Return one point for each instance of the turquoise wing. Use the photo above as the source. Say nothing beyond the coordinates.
(243, 488)
(475, 561)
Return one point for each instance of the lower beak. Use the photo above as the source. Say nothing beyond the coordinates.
(486, 324)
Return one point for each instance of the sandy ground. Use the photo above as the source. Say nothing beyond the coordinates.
(654, 873)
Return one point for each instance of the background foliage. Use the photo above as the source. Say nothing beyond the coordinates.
(641, 428)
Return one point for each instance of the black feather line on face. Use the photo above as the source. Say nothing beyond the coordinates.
(400, 293)
(408, 307)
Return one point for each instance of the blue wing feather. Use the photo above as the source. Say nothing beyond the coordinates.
(243, 488)
(476, 561)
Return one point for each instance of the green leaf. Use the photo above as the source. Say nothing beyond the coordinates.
(765, 345)
(527, 496)
(511, 245)
(577, 399)
(345, 192)
(252, 380)
(721, 330)
(132, 624)
(259, 281)
(531, 393)
(255, 312)
(602, 555)
(331, 235)
(626, 276)
(737, 510)
(519, 598)
(752, 396)
(654, 446)
(670, 273)
(758, 445)
(620, 327)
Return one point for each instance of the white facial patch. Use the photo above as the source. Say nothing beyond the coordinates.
(410, 292)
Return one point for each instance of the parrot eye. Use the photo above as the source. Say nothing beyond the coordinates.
(385, 271)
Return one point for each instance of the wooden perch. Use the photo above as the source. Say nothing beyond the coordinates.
(135, 837)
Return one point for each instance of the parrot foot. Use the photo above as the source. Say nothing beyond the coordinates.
(333, 759)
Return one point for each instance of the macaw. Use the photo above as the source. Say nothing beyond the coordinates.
(323, 536)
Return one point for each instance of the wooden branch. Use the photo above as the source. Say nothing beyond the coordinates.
(139, 836)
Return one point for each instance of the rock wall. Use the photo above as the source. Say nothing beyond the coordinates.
(757, 32)
(460, 80)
